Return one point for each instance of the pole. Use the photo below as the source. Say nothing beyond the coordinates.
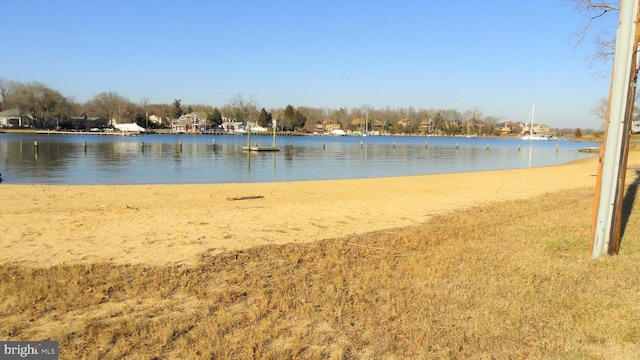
(274, 132)
(248, 137)
(612, 166)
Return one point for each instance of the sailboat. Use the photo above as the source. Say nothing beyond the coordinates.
(468, 121)
(366, 123)
(531, 135)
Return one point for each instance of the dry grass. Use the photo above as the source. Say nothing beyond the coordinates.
(506, 281)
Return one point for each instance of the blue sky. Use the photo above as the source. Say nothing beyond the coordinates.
(499, 56)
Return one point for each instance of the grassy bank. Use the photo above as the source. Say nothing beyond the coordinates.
(509, 280)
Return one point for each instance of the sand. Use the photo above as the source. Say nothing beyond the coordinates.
(43, 225)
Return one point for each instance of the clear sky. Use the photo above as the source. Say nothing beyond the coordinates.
(499, 56)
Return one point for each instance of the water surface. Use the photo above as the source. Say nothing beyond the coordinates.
(193, 159)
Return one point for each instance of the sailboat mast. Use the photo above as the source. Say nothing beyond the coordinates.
(533, 110)
(366, 119)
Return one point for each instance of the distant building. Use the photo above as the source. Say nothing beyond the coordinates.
(13, 119)
(505, 127)
(404, 122)
(233, 126)
(181, 126)
(190, 122)
(85, 123)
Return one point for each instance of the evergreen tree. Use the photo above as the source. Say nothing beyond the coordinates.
(264, 118)
(215, 117)
(176, 112)
(289, 113)
(298, 120)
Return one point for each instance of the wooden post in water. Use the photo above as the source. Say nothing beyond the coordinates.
(248, 137)
(274, 132)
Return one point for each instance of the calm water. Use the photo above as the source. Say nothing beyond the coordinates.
(159, 159)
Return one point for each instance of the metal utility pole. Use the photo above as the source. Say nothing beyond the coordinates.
(612, 167)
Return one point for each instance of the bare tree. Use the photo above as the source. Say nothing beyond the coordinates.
(110, 105)
(601, 24)
(38, 101)
(244, 108)
(5, 86)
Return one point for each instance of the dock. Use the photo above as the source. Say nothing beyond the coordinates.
(257, 147)
(261, 148)
(99, 133)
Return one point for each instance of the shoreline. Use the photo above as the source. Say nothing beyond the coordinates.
(160, 224)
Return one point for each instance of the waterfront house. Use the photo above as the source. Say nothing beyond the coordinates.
(83, 123)
(404, 122)
(505, 127)
(180, 126)
(329, 126)
(13, 119)
(231, 126)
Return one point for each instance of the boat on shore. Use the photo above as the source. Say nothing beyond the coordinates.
(591, 149)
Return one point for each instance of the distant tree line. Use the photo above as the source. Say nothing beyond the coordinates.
(42, 102)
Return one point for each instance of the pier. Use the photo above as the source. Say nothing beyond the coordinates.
(104, 133)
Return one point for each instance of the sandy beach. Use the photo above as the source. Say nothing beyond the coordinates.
(44, 225)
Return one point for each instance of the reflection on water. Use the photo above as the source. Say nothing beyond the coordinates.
(184, 159)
